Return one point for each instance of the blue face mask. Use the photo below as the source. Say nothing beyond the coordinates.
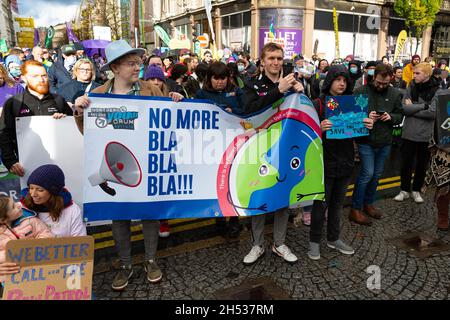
(371, 72)
(15, 72)
(346, 64)
(354, 70)
(241, 67)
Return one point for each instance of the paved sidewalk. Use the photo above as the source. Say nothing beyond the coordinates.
(200, 270)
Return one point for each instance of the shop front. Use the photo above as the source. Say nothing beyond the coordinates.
(287, 29)
(440, 42)
(356, 28)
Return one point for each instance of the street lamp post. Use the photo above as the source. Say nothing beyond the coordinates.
(353, 29)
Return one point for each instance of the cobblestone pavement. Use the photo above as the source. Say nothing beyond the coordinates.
(199, 273)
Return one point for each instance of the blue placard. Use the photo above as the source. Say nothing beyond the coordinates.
(346, 114)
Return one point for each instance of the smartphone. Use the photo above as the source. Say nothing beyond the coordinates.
(380, 113)
(288, 67)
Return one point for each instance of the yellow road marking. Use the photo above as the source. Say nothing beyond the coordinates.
(207, 222)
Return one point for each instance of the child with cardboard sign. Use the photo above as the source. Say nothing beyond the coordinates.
(17, 223)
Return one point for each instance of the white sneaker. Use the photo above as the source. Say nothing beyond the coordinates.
(402, 196)
(253, 255)
(284, 252)
(417, 197)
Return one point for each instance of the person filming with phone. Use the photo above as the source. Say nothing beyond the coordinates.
(272, 83)
(385, 108)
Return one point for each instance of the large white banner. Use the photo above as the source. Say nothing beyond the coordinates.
(44, 140)
(152, 158)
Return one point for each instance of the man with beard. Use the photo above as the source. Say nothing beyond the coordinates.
(408, 72)
(34, 101)
(385, 108)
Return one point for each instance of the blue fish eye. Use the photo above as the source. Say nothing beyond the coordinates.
(263, 170)
(295, 163)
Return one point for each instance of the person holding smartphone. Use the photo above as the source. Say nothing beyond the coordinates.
(385, 108)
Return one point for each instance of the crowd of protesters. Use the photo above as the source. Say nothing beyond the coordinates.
(45, 82)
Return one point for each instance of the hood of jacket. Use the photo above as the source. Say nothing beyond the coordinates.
(26, 214)
(332, 74)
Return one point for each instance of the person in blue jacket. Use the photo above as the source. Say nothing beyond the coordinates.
(220, 89)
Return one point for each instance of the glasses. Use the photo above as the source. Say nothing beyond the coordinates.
(132, 64)
(85, 70)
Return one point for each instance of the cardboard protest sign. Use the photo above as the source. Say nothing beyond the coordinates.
(346, 114)
(443, 122)
(152, 158)
(51, 269)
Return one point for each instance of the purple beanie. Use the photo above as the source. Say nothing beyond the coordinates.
(49, 176)
(153, 72)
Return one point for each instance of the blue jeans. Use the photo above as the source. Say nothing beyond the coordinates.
(372, 166)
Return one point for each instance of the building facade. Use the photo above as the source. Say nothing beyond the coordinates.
(6, 21)
(305, 26)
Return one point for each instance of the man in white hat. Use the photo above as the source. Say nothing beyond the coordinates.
(125, 63)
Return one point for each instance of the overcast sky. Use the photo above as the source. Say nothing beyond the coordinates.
(48, 12)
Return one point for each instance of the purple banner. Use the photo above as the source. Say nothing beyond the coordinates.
(70, 34)
(36, 37)
(292, 40)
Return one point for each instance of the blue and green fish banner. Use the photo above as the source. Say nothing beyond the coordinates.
(152, 158)
(346, 113)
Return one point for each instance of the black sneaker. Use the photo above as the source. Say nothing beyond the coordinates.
(120, 281)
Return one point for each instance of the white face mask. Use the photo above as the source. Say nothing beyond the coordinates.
(241, 67)
(70, 60)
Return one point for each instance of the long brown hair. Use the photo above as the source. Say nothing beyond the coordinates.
(4, 206)
(55, 205)
(8, 80)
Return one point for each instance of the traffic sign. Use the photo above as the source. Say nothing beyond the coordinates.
(203, 40)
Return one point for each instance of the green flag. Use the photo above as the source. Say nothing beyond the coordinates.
(162, 34)
(49, 37)
(3, 46)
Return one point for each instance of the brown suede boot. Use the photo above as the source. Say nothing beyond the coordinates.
(442, 221)
(358, 217)
(371, 211)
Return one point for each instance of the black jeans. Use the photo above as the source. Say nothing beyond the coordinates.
(335, 190)
(419, 152)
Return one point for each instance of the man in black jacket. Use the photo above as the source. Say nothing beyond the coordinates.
(385, 109)
(260, 93)
(61, 71)
(271, 84)
(35, 101)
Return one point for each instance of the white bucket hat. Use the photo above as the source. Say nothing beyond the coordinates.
(118, 49)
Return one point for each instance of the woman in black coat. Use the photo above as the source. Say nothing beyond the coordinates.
(82, 82)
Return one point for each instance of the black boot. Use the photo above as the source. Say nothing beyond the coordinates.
(234, 228)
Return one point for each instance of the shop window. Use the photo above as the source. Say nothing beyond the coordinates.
(247, 18)
(236, 21)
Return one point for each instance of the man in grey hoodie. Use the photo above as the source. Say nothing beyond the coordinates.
(417, 130)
